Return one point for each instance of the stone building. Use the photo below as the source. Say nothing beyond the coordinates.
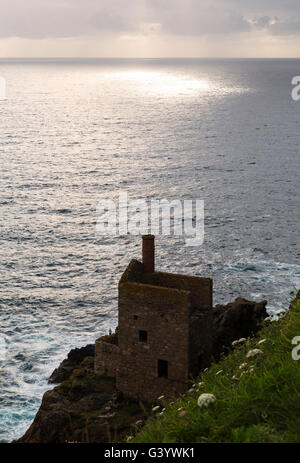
(164, 334)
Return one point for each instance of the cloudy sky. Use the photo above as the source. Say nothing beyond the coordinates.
(150, 28)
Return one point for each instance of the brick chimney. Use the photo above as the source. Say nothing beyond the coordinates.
(149, 253)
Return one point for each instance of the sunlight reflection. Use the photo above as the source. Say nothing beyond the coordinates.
(163, 83)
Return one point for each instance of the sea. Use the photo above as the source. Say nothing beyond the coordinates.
(75, 133)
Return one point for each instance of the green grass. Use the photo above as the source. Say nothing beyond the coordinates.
(260, 406)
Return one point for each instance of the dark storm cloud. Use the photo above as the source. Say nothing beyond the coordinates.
(71, 18)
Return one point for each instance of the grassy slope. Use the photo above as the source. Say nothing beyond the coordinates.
(261, 406)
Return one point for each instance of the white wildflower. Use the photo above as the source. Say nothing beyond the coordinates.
(219, 372)
(242, 366)
(190, 390)
(262, 341)
(161, 397)
(238, 341)
(155, 409)
(200, 384)
(254, 353)
(205, 400)
(129, 437)
(206, 369)
(179, 409)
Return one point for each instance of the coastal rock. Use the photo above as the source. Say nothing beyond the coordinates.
(74, 359)
(239, 319)
(85, 408)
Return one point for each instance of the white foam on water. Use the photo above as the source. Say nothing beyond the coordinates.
(276, 279)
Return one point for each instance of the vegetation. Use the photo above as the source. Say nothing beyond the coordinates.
(256, 390)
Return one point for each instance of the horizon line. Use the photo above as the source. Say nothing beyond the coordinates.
(145, 58)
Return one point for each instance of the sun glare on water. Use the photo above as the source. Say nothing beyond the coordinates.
(162, 83)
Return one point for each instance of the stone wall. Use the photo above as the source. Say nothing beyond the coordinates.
(164, 334)
(134, 272)
(107, 357)
(163, 313)
(200, 288)
(200, 340)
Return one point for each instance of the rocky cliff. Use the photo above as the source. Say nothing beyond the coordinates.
(88, 408)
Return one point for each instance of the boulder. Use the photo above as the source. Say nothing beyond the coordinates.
(239, 319)
(73, 361)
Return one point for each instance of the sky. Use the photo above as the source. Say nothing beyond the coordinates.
(150, 28)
